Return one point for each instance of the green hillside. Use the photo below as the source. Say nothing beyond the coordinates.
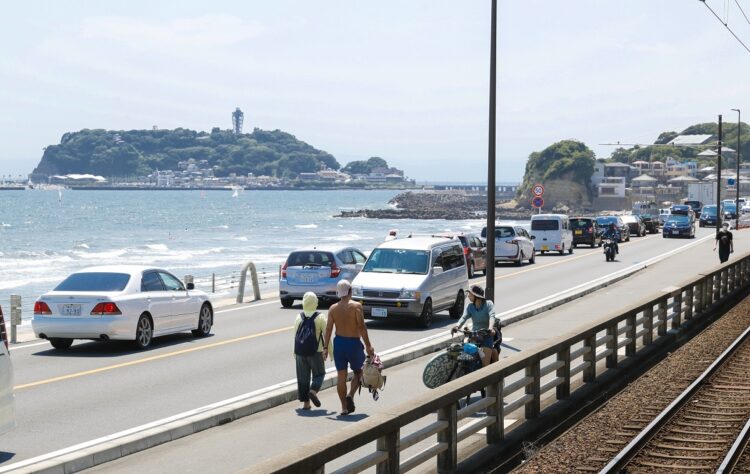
(139, 152)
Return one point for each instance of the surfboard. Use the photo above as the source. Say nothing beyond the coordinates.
(438, 370)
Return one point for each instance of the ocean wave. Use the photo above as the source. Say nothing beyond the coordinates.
(13, 284)
(82, 246)
(306, 226)
(3, 224)
(157, 247)
(347, 238)
(105, 255)
(222, 227)
(241, 239)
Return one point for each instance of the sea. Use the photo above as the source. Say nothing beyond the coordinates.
(47, 234)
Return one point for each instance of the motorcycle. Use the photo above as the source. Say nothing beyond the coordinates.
(609, 250)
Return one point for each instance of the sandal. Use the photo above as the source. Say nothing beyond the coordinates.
(350, 404)
(314, 398)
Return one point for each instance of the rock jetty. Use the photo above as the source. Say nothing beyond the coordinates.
(438, 205)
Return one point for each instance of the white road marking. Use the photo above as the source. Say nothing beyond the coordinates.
(28, 345)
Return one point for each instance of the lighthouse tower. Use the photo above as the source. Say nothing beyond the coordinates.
(237, 118)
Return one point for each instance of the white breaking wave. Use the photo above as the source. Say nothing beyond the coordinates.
(3, 224)
(82, 246)
(241, 239)
(346, 238)
(306, 226)
(157, 247)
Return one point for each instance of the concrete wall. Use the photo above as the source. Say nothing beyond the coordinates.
(611, 203)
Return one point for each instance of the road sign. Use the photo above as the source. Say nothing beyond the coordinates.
(730, 181)
(538, 190)
(537, 202)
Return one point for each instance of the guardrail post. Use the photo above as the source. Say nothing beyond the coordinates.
(589, 357)
(447, 459)
(677, 310)
(661, 327)
(533, 407)
(389, 444)
(15, 316)
(611, 346)
(630, 334)
(563, 390)
(496, 431)
(213, 283)
(690, 302)
(648, 324)
(243, 277)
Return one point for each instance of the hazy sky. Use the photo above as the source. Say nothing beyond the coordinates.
(406, 80)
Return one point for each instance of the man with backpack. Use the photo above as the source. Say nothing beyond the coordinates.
(308, 350)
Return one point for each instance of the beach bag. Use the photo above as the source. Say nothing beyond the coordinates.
(372, 376)
(305, 341)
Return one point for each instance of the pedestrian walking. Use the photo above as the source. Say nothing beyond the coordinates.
(725, 242)
(347, 318)
(308, 350)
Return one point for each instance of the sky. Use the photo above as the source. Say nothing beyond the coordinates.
(404, 80)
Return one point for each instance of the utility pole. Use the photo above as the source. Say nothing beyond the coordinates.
(737, 202)
(719, 212)
(489, 291)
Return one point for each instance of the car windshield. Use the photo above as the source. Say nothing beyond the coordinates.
(580, 223)
(398, 261)
(629, 219)
(604, 221)
(708, 211)
(94, 281)
(678, 219)
(545, 224)
(730, 207)
(308, 258)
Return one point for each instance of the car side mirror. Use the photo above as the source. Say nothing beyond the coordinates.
(191, 286)
(533, 237)
(437, 270)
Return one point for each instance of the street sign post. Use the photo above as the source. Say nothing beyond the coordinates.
(537, 202)
(538, 190)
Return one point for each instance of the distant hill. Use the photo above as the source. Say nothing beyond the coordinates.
(140, 152)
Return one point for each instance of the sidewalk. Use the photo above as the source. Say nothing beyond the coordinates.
(249, 440)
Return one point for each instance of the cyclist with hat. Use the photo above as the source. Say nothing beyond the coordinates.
(481, 311)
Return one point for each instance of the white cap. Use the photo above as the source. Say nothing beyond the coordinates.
(342, 288)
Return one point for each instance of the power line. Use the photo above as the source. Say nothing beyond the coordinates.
(726, 25)
(742, 11)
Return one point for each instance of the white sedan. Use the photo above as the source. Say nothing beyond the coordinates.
(124, 302)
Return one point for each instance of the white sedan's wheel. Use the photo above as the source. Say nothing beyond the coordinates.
(205, 320)
(144, 332)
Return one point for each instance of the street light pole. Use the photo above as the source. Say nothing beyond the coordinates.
(737, 202)
(719, 211)
(489, 291)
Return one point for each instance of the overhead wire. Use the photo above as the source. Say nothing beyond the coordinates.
(742, 11)
(726, 24)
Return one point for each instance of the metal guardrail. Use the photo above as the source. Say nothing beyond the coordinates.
(551, 367)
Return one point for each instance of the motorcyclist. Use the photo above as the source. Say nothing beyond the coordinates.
(613, 233)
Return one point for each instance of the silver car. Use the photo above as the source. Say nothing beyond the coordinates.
(512, 244)
(317, 269)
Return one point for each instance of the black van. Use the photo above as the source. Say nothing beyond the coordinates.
(585, 231)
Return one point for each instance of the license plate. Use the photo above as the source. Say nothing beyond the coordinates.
(379, 312)
(675, 232)
(307, 278)
(579, 232)
(545, 247)
(71, 310)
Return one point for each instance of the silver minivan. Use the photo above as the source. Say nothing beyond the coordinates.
(7, 401)
(413, 278)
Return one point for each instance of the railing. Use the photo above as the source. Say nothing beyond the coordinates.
(521, 381)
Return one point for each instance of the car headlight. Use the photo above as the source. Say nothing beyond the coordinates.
(409, 295)
(356, 291)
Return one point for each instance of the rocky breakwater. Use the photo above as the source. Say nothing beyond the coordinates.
(438, 205)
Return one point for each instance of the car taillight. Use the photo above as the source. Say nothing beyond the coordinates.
(3, 334)
(40, 307)
(283, 271)
(334, 270)
(466, 250)
(591, 229)
(108, 309)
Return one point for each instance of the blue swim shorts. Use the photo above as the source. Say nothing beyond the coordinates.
(348, 351)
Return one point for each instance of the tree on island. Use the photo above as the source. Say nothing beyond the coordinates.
(365, 167)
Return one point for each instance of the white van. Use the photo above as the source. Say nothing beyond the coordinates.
(552, 233)
(413, 278)
(7, 402)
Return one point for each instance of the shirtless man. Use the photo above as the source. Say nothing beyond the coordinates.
(347, 316)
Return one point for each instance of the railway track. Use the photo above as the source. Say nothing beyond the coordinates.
(705, 429)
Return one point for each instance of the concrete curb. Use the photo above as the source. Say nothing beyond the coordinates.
(109, 448)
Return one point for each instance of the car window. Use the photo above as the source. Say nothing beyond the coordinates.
(346, 257)
(151, 282)
(310, 258)
(504, 232)
(171, 283)
(545, 224)
(94, 281)
(580, 223)
(452, 257)
(358, 257)
(397, 261)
